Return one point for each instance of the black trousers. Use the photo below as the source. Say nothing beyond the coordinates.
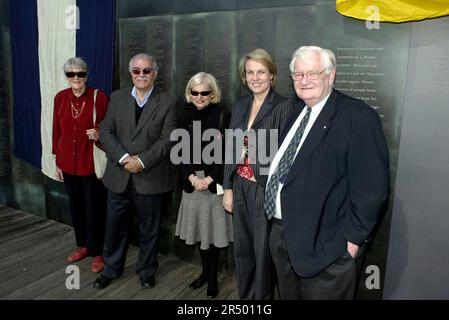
(121, 207)
(254, 267)
(87, 198)
(336, 282)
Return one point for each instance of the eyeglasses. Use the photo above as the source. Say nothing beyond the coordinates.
(137, 71)
(81, 74)
(311, 75)
(202, 93)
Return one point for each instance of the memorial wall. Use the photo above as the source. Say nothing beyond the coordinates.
(418, 250)
(371, 64)
(6, 194)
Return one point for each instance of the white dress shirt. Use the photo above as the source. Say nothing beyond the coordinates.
(314, 113)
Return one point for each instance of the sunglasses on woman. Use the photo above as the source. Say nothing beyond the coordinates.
(137, 71)
(202, 93)
(71, 74)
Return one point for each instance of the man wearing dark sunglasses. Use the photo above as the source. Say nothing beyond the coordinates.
(136, 137)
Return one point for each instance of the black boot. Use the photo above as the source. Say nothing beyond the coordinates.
(202, 279)
(212, 284)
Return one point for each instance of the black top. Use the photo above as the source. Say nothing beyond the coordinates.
(138, 111)
(208, 118)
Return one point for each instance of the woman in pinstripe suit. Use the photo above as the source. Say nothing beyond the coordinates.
(245, 179)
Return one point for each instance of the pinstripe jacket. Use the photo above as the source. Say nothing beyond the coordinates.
(273, 114)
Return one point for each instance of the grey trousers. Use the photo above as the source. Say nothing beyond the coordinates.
(121, 207)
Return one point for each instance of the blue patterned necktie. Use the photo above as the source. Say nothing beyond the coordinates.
(283, 168)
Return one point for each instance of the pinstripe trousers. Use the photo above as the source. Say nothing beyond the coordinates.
(254, 266)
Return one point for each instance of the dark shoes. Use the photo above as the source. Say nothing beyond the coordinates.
(147, 282)
(102, 282)
(198, 283)
(212, 292)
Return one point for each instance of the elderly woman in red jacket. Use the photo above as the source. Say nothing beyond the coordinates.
(74, 134)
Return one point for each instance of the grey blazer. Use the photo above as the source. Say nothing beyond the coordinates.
(150, 139)
(273, 114)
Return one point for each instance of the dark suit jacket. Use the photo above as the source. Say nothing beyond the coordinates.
(150, 139)
(337, 185)
(273, 114)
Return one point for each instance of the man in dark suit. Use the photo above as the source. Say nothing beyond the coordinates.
(135, 135)
(327, 184)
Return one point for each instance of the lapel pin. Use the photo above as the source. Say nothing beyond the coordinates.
(324, 127)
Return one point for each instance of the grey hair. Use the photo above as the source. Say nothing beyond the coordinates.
(143, 56)
(204, 78)
(75, 62)
(328, 61)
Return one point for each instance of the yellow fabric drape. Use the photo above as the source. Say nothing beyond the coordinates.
(393, 10)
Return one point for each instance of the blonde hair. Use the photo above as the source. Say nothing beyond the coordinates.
(204, 78)
(262, 56)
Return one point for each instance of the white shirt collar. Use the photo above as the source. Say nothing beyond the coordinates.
(145, 98)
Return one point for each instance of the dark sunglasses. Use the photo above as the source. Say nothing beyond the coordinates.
(202, 93)
(137, 71)
(80, 74)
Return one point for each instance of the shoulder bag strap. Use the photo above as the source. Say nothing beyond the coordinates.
(95, 111)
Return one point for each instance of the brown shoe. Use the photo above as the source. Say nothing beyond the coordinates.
(97, 264)
(79, 254)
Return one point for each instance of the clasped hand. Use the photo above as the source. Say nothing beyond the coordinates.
(132, 164)
(200, 184)
(92, 134)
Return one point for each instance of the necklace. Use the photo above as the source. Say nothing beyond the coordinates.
(77, 112)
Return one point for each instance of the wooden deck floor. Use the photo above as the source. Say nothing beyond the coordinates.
(33, 265)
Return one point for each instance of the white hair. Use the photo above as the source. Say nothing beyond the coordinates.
(143, 56)
(75, 62)
(328, 61)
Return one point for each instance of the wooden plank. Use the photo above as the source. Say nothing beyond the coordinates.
(182, 291)
(167, 282)
(6, 210)
(18, 231)
(34, 239)
(33, 254)
(227, 287)
(89, 291)
(7, 214)
(119, 284)
(131, 286)
(13, 215)
(86, 290)
(26, 253)
(30, 270)
(18, 221)
(39, 287)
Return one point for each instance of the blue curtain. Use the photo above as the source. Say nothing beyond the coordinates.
(95, 41)
(26, 88)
